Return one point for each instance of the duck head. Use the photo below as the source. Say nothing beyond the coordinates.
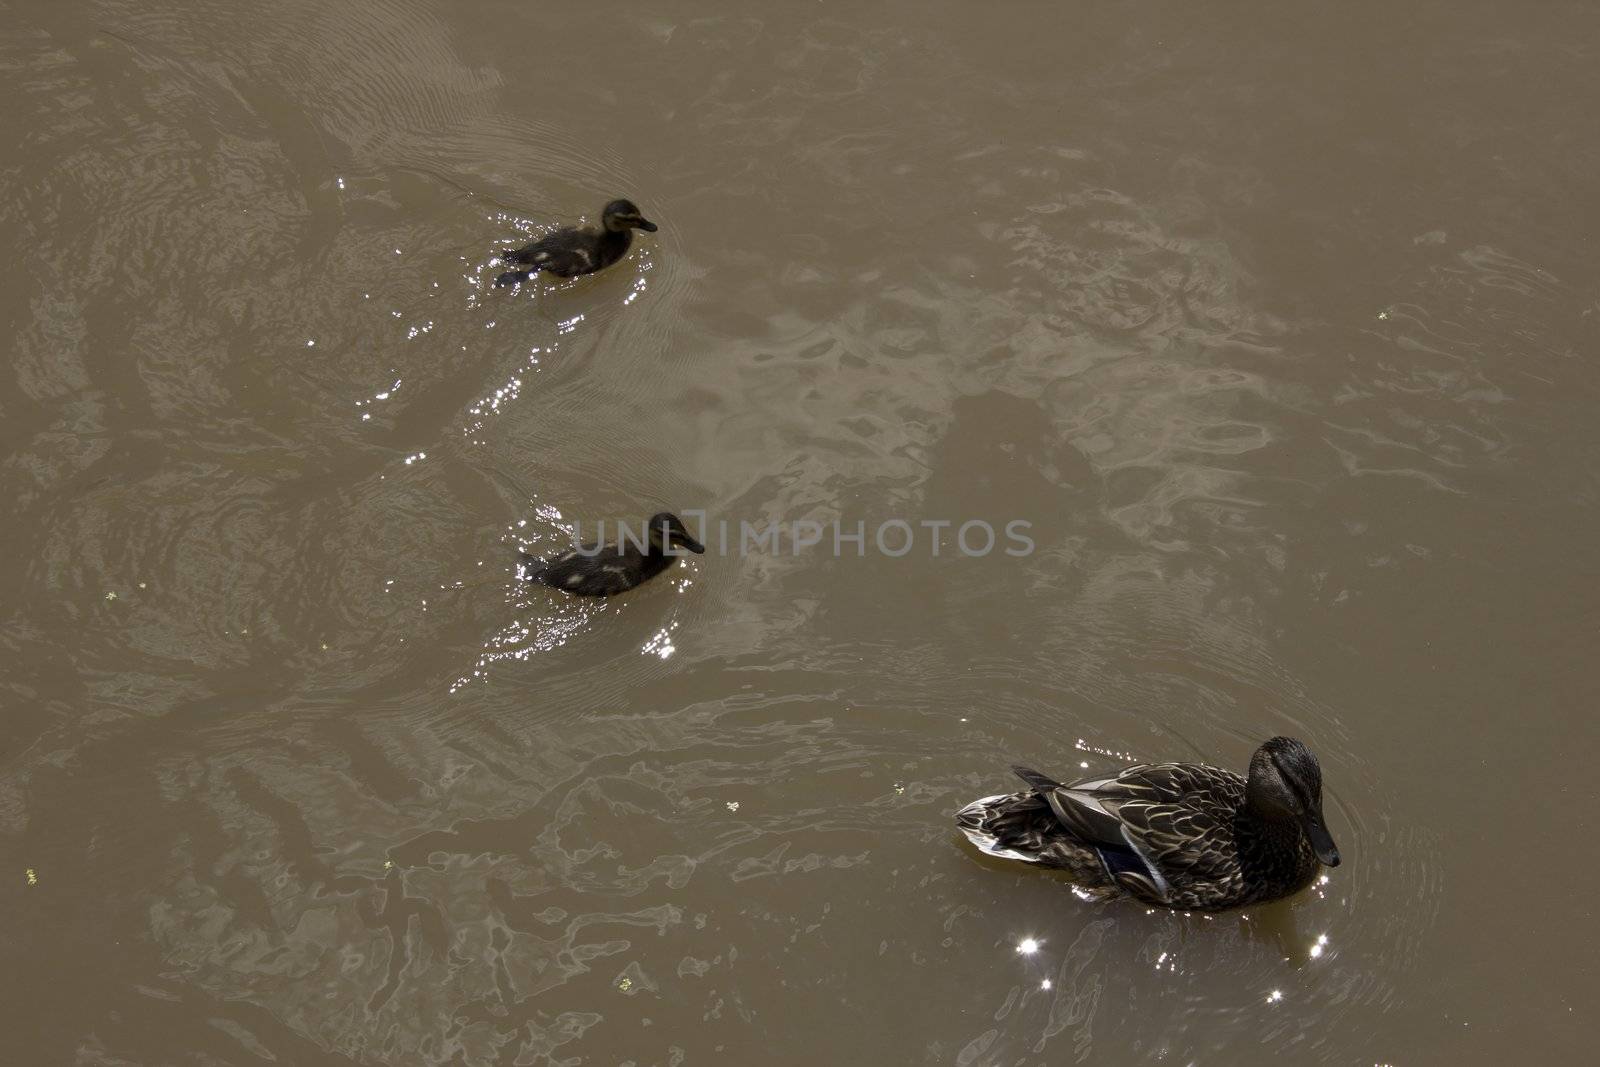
(622, 215)
(1285, 785)
(667, 531)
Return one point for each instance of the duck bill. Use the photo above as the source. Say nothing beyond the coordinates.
(647, 226)
(691, 544)
(1321, 841)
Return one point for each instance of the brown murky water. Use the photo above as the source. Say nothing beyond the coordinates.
(1278, 324)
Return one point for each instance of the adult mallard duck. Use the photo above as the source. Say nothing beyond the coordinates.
(602, 569)
(575, 250)
(1181, 835)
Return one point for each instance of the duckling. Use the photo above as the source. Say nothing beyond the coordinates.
(606, 570)
(1179, 835)
(575, 250)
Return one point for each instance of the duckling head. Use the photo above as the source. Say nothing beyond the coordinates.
(623, 215)
(667, 531)
(1285, 785)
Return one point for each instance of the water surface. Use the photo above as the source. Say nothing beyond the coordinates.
(1278, 325)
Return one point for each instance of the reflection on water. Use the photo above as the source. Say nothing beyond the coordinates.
(1274, 327)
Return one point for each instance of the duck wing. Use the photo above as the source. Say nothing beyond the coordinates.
(535, 253)
(566, 255)
(1154, 824)
(564, 250)
(592, 571)
(563, 253)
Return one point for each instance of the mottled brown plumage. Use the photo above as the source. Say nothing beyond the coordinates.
(576, 250)
(1181, 835)
(606, 569)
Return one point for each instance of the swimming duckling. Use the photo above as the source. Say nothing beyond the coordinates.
(575, 250)
(605, 570)
(1180, 835)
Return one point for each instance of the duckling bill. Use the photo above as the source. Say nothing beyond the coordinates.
(575, 250)
(1179, 835)
(602, 569)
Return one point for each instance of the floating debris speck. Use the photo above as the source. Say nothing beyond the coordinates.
(33, 878)
(733, 805)
(388, 865)
(899, 788)
(624, 983)
(111, 596)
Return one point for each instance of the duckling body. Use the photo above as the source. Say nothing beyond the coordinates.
(606, 569)
(576, 250)
(1178, 835)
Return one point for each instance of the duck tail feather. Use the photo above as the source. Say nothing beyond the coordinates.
(1040, 782)
(976, 822)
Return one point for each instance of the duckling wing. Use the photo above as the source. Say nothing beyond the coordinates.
(565, 252)
(1153, 824)
(531, 255)
(579, 574)
(534, 257)
(593, 571)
